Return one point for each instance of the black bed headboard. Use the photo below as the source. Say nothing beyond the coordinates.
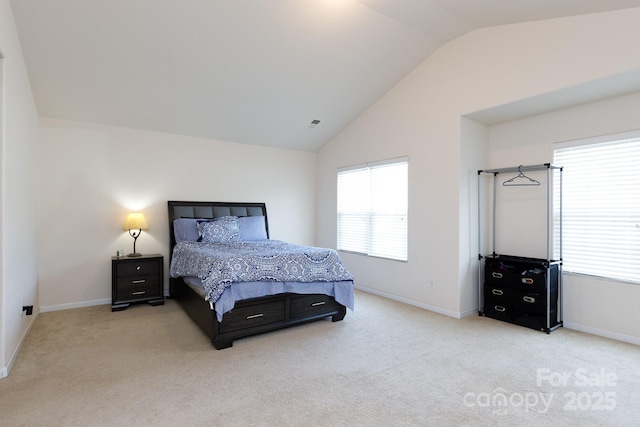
(213, 210)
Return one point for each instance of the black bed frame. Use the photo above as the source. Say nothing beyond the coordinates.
(251, 316)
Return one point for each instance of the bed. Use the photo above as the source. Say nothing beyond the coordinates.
(229, 305)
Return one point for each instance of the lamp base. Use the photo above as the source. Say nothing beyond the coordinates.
(134, 254)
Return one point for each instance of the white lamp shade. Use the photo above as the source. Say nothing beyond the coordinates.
(135, 221)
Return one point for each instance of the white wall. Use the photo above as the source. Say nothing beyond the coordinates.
(92, 176)
(18, 208)
(593, 305)
(421, 118)
(475, 150)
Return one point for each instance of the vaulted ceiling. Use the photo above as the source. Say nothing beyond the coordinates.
(249, 71)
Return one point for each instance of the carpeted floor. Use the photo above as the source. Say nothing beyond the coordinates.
(386, 364)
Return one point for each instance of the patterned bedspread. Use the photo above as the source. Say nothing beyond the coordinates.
(220, 264)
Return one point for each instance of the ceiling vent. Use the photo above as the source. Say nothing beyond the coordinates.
(313, 123)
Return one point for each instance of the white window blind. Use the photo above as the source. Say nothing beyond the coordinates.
(601, 209)
(372, 209)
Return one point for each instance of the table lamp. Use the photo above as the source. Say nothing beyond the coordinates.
(135, 223)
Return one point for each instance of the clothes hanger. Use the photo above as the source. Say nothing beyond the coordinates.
(514, 182)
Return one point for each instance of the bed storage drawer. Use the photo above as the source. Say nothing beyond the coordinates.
(309, 305)
(248, 316)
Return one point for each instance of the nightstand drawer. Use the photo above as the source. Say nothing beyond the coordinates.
(138, 287)
(138, 268)
(146, 282)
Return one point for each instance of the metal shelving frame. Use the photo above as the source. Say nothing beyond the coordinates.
(550, 168)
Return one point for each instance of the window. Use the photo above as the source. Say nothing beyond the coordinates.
(601, 208)
(372, 209)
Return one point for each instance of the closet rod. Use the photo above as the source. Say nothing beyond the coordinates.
(523, 168)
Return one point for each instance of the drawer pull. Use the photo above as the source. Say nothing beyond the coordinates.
(255, 316)
(138, 268)
(527, 281)
(497, 292)
(137, 282)
(529, 299)
(500, 308)
(139, 293)
(315, 304)
(497, 275)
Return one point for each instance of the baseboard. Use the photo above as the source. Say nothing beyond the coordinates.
(467, 313)
(602, 333)
(439, 310)
(4, 371)
(58, 307)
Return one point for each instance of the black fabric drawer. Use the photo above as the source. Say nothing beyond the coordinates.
(536, 320)
(531, 279)
(534, 279)
(500, 312)
(530, 302)
(501, 273)
(497, 295)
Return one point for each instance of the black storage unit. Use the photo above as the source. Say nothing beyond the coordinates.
(520, 290)
(524, 291)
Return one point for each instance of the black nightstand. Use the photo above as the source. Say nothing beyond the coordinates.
(136, 279)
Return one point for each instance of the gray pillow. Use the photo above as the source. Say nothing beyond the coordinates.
(185, 229)
(252, 228)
